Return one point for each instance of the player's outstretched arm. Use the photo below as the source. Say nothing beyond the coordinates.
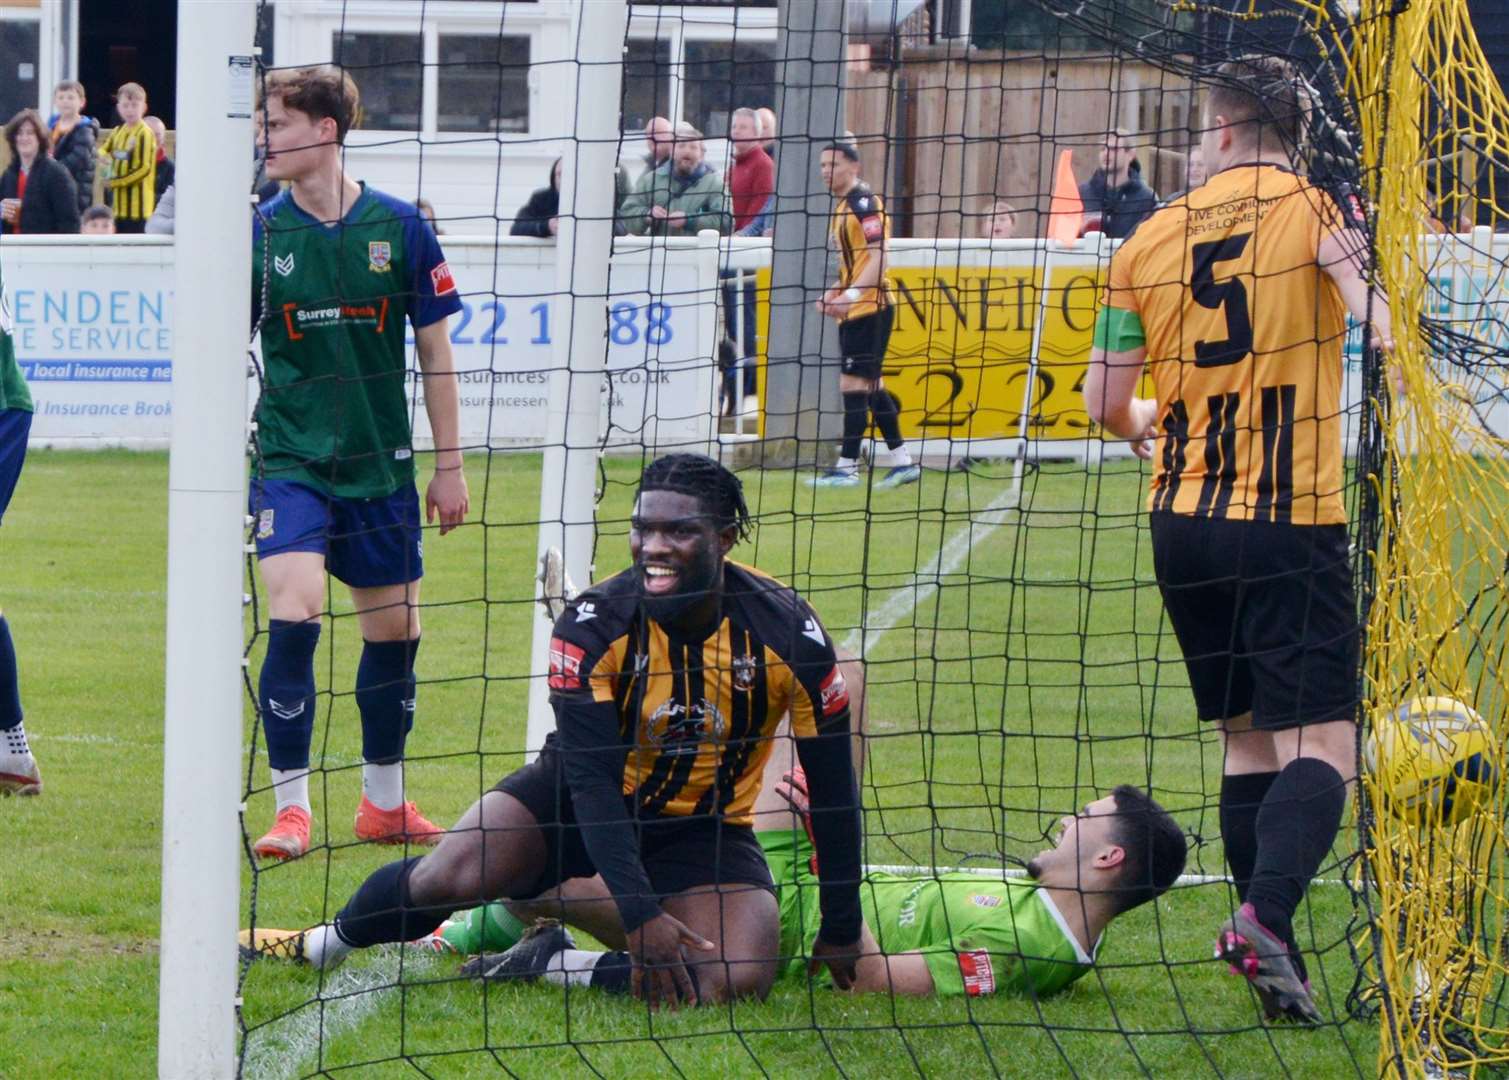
(446, 497)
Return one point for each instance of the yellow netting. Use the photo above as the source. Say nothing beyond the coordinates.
(1434, 124)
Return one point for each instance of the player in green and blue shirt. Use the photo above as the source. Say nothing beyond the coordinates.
(19, 774)
(338, 271)
(952, 934)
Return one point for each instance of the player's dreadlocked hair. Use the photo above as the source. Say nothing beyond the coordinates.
(1264, 96)
(719, 490)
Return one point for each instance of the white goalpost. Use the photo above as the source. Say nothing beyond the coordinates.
(201, 858)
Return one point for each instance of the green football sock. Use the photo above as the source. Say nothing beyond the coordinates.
(489, 928)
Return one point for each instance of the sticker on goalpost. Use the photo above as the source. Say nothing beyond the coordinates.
(979, 975)
(566, 665)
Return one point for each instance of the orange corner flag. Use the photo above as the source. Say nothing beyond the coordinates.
(1065, 212)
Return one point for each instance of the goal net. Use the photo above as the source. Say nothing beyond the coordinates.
(1017, 661)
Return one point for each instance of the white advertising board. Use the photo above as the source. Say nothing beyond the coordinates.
(94, 336)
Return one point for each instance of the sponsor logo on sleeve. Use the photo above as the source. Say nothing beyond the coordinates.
(441, 278)
(874, 227)
(566, 665)
(834, 693)
(979, 976)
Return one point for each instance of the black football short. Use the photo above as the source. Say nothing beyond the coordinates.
(1265, 616)
(678, 853)
(864, 341)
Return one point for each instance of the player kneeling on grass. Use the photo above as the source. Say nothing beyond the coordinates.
(668, 682)
(955, 933)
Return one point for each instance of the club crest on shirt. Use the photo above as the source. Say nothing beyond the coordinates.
(745, 670)
(379, 255)
(677, 730)
(264, 524)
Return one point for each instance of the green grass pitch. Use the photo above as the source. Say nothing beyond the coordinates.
(1021, 677)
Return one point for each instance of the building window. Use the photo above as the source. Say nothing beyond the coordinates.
(20, 44)
(647, 82)
(725, 75)
(484, 83)
(389, 72)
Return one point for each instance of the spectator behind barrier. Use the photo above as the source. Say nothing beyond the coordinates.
(1115, 198)
(751, 178)
(73, 138)
(99, 220)
(37, 195)
(681, 197)
(165, 166)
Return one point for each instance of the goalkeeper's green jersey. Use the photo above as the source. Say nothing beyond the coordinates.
(13, 391)
(979, 935)
(334, 414)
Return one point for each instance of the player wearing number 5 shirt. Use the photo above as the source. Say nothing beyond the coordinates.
(1233, 299)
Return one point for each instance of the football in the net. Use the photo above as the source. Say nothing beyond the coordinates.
(1434, 761)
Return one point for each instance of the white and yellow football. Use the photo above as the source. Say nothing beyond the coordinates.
(1434, 761)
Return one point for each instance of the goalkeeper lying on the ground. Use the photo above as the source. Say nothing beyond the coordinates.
(958, 933)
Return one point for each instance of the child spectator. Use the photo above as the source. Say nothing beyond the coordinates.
(165, 166)
(73, 138)
(98, 221)
(130, 153)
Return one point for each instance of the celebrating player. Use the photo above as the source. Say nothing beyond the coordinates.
(19, 774)
(1234, 297)
(668, 682)
(957, 933)
(860, 302)
(342, 267)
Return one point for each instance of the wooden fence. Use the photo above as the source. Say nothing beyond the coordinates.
(946, 131)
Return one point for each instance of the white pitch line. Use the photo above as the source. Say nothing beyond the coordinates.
(288, 1048)
(925, 581)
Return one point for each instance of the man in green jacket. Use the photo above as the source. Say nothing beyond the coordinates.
(681, 197)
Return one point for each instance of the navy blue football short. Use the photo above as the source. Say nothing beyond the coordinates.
(15, 425)
(367, 543)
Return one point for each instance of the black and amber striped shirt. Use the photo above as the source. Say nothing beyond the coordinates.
(132, 176)
(686, 725)
(860, 220)
(1244, 334)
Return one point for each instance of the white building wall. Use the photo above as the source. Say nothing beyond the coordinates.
(477, 182)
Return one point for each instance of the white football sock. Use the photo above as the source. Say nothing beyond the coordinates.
(901, 456)
(291, 788)
(571, 967)
(383, 785)
(13, 742)
(845, 464)
(324, 948)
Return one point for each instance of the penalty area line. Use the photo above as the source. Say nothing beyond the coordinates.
(924, 582)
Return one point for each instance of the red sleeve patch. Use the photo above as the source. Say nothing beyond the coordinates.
(834, 692)
(873, 227)
(441, 278)
(979, 976)
(566, 665)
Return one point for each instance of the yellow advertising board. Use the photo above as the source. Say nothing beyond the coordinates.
(961, 345)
